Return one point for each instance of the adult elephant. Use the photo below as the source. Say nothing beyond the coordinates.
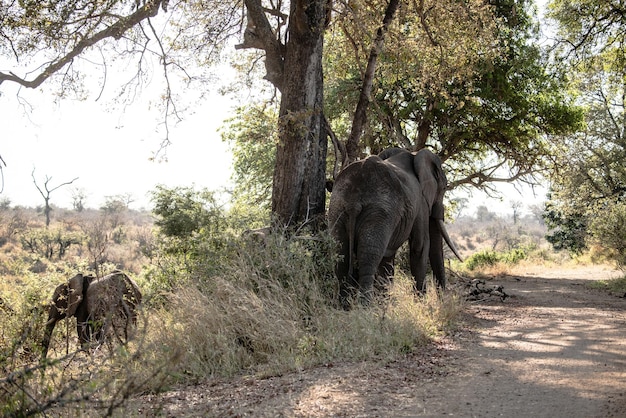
(379, 203)
(98, 305)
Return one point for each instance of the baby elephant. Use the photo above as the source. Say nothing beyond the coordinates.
(99, 305)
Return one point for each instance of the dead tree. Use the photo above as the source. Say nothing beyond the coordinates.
(48, 191)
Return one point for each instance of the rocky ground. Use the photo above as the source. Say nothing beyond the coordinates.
(553, 348)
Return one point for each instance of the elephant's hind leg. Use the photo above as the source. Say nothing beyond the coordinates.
(368, 266)
(384, 276)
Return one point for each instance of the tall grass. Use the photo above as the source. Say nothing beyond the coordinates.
(273, 309)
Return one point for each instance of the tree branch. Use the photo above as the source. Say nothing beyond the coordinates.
(340, 148)
(115, 31)
(360, 114)
(259, 35)
(483, 178)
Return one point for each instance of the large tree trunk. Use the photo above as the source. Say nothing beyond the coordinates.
(298, 192)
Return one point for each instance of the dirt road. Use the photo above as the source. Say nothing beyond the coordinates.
(553, 349)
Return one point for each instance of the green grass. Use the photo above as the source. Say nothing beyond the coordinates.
(613, 286)
(486, 258)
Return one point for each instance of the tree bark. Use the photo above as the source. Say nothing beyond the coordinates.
(425, 125)
(298, 192)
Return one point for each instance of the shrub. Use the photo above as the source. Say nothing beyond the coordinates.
(514, 256)
(49, 243)
(614, 286)
(272, 308)
(609, 231)
(488, 258)
(481, 259)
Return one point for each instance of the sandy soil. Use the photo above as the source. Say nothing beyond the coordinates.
(554, 348)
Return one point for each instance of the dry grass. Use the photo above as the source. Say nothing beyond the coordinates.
(270, 331)
(615, 286)
(270, 309)
(246, 306)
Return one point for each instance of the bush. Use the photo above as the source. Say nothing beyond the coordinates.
(487, 258)
(514, 256)
(614, 286)
(272, 308)
(609, 231)
(482, 259)
(49, 243)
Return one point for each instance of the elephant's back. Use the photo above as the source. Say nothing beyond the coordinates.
(102, 294)
(109, 291)
(371, 182)
(369, 177)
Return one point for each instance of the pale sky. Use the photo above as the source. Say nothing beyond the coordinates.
(107, 147)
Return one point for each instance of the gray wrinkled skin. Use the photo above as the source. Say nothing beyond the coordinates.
(376, 205)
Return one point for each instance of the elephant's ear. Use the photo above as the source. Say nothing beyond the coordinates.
(75, 297)
(427, 175)
(390, 152)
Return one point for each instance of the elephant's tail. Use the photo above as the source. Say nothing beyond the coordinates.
(353, 215)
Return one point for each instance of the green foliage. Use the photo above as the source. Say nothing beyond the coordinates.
(487, 258)
(614, 286)
(490, 111)
(515, 256)
(193, 235)
(588, 178)
(252, 136)
(589, 29)
(481, 259)
(183, 212)
(609, 231)
(567, 231)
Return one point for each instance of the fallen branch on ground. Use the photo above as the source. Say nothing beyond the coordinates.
(477, 289)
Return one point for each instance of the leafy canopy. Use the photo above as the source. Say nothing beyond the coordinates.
(466, 79)
(482, 94)
(588, 174)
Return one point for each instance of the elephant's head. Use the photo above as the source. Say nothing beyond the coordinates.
(427, 168)
(67, 298)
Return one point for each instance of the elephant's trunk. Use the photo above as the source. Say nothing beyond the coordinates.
(45, 343)
(446, 237)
